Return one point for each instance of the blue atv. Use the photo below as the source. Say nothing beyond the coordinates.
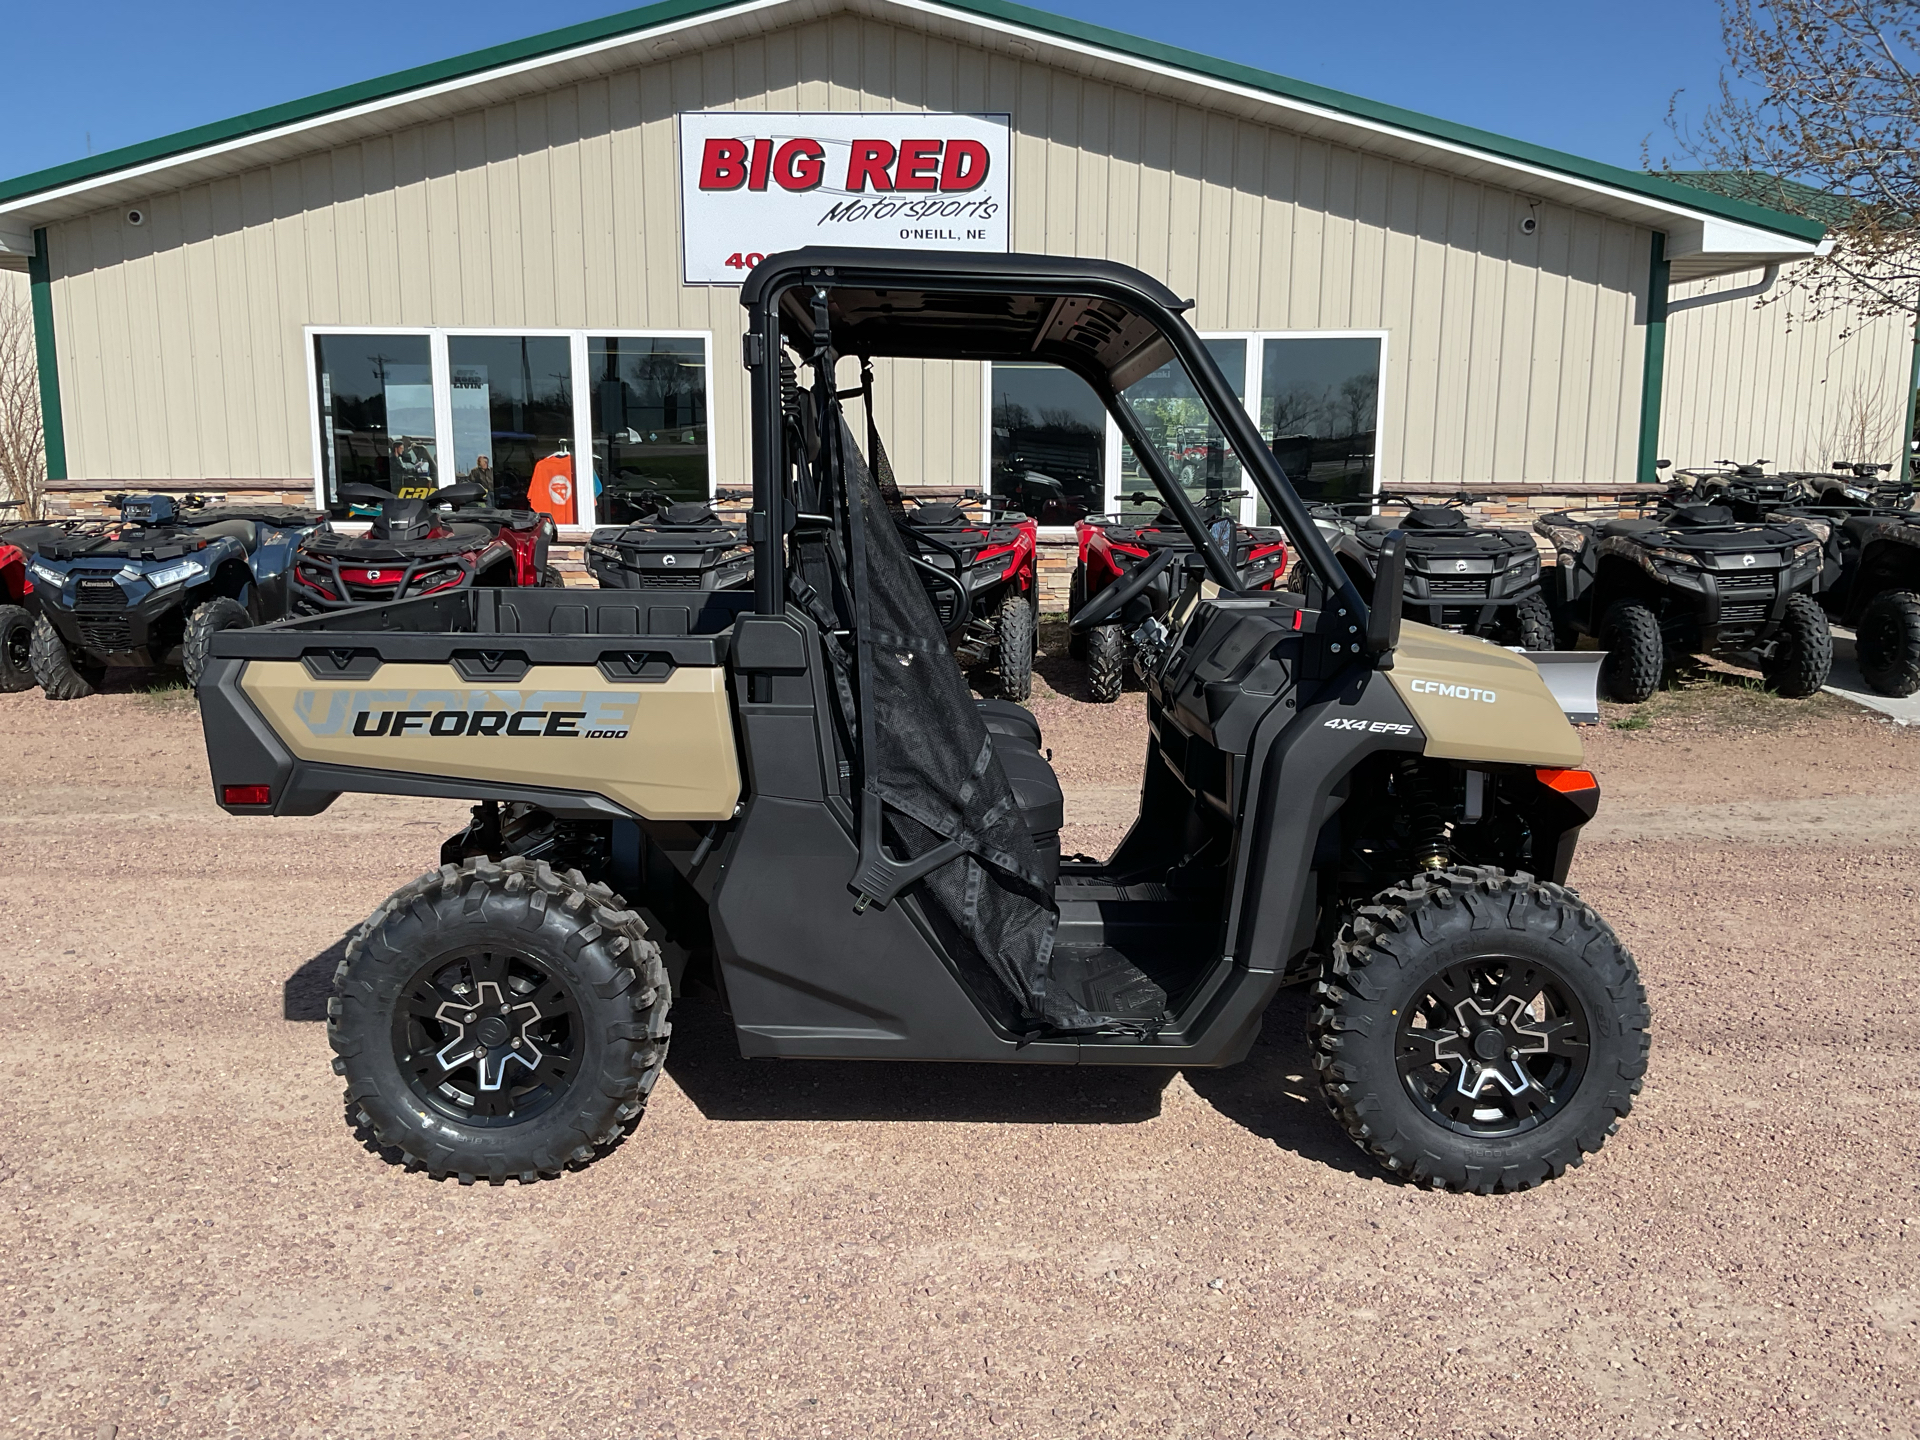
(154, 587)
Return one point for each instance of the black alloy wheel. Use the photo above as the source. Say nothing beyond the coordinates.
(1493, 1046)
(16, 649)
(487, 1039)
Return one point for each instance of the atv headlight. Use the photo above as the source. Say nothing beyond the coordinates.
(1672, 557)
(1806, 552)
(605, 552)
(173, 574)
(44, 576)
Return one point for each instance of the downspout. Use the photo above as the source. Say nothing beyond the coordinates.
(1653, 371)
(1913, 392)
(1745, 292)
(47, 357)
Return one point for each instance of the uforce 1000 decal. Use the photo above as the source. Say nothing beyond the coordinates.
(480, 714)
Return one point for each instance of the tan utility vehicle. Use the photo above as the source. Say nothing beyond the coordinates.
(860, 860)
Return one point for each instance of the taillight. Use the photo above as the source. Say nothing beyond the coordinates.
(246, 795)
(1567, 782)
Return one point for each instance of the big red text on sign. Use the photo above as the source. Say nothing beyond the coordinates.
(944, 166)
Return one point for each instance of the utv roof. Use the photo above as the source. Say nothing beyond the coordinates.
(1091, 316)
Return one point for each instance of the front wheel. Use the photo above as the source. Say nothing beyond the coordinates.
(496, 1019)
(1802, 654)
(1479, 1031)
(1630, 634)
(1106, 664)
(16, 649)
(207, 621)
(58, 674)
(1533, 619)
(1013, 638)
(551, 578)
(1888, 642)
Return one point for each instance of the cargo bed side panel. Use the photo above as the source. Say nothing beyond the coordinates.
(663, 750)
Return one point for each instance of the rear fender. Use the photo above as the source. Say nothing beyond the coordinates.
(1885, 564)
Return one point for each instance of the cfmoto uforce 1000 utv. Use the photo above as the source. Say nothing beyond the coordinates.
(798, 787)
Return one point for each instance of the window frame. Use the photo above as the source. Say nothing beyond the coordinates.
(441, 370)
(1250, 398)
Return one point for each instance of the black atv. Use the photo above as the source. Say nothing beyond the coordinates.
(1870, 571)
(421, 547)
(154, 587)
(681, 545)
(1113, 547)
(983, 575)
(1483, 582)
(1690, 578)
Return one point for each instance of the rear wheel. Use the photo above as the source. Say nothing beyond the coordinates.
(58, 674)
(1013, 628)
(1802, 654)
(1106, 663)
(16, 649)
(1630, 634)
(1888, 642)
(205, 622)
(1479, 1031)
(1076, 597)
(495, 1019)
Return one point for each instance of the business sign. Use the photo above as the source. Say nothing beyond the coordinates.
(754, 183)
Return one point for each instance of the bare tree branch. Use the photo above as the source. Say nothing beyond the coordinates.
(23, 445)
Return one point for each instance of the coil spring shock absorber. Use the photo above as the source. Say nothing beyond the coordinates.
(1424, 805)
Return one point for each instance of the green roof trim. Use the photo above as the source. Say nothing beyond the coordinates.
(1649, 187)
(1773, 192)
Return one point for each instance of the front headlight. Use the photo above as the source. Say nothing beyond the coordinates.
(605, 552)
(1806, 551)
(173, 574)
(1669, 556)
(43, 576)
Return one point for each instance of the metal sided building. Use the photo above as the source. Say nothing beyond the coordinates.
(493, 266)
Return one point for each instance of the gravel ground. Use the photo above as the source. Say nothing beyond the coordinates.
(192, 1244)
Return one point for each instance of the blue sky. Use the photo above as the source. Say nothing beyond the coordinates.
(1595, 82)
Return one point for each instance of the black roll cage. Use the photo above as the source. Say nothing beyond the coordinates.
(987, 276)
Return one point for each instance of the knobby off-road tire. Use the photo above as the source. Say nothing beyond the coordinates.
(1888, 642)
(1479, 1031)
(16, 649)
(551, 578)
(1013, 629)
(1106, 663)
(206, 621)
(1802, 655)
(1533, 619)
(1076, 597)
(1630, 634)
(54, 668)
(502, 974)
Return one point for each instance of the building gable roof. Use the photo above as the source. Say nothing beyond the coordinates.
(1724, 231)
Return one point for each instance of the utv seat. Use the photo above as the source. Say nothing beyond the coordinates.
(1005, 717)
(1036, 790)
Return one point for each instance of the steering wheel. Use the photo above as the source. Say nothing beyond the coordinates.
(1112, 600)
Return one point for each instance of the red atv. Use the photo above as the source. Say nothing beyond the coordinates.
(18, 540)
(421, 547)
(983, 575)
(1110, 550)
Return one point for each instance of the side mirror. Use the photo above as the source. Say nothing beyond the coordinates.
(1389, 592)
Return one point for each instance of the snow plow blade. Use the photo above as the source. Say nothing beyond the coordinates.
(1574, 678)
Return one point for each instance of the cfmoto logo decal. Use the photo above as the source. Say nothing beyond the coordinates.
(1372, 727)
(669, 559)
(1452, 692)
(373, 576)
(1460, 566)
(1746, 559)
(372, 714)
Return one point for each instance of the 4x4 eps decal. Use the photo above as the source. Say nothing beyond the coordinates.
(1372, 727)
(444, 714)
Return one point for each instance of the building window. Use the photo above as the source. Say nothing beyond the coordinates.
(513, 412)
(1320, 412)
(376, 426)
(649, 400)
(1048, 451)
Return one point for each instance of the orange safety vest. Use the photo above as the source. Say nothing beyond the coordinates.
(551, 490)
